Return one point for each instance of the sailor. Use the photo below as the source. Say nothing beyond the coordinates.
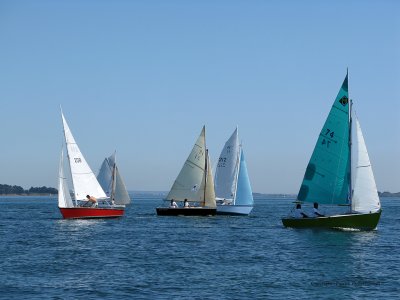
(92, 201)
(226, 202)
(316, 212)
(173, 204)
(298, 212)
(185, 203)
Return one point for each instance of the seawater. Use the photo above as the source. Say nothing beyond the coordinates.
(142, 256)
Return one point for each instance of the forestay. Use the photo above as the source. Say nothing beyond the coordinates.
(326, 179)
(83, 178)
(365, 195)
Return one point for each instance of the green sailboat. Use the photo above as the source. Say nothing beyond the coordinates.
(339, 173)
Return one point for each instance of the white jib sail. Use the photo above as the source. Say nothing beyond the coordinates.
(188, 184)
(209, 188)
(83, 178)
(365, 195)
(226, 173)
(64, 198)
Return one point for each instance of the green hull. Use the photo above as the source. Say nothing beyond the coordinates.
(354, 221)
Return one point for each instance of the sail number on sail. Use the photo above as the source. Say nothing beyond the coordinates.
(222, 162)
(328, 134)
(199, 155)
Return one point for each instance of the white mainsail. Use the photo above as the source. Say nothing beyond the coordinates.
(365, 197)
(111, 181)
(83, 178)
(190, 182)
(227, 170)
(64, 197)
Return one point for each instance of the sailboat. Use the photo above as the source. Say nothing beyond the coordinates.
(84, 183)
(194, 185)
(340, 173)
(232, 185)
(112, 183)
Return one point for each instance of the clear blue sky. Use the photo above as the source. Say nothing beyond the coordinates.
(142, 77)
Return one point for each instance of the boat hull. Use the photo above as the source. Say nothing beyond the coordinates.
(91, 212)
(234, 210)
(188, 211)
(353, 221)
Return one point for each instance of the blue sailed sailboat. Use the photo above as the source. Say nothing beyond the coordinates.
(339, 173)
(232, 185)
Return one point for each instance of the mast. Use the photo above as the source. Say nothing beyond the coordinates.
(114, 179)
(350, 144)
(205, 178)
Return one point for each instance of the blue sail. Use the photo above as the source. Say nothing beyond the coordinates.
(244, 195)
(327, 175)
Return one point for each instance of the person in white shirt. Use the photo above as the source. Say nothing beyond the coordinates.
(173, 204)
(186, 203)
(298, 212)
(316, 212)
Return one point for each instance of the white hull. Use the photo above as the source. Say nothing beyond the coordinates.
(234, 209)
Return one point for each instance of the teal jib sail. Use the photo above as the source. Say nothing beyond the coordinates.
(327, 176)
(244, 195)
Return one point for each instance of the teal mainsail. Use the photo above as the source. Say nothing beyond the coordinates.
(327, 176)
(244, 195)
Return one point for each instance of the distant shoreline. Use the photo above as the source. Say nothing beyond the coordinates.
(144, 194)
(29, 195)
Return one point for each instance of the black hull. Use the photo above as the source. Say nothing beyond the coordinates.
(353, 221)
(189, 211)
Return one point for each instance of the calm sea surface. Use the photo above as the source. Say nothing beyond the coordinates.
(142, 256)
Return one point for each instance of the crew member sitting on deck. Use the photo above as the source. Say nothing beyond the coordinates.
(92, 201)
(186, 203)
(316, 212)
(173, 204)
(298, 213)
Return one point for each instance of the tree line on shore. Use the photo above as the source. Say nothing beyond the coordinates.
(6, 189)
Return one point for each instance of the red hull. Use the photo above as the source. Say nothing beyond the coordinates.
(90, 212)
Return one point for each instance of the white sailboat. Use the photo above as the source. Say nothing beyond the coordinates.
(232, 184)
(194, 185)
(112, 183)
(84, 184)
